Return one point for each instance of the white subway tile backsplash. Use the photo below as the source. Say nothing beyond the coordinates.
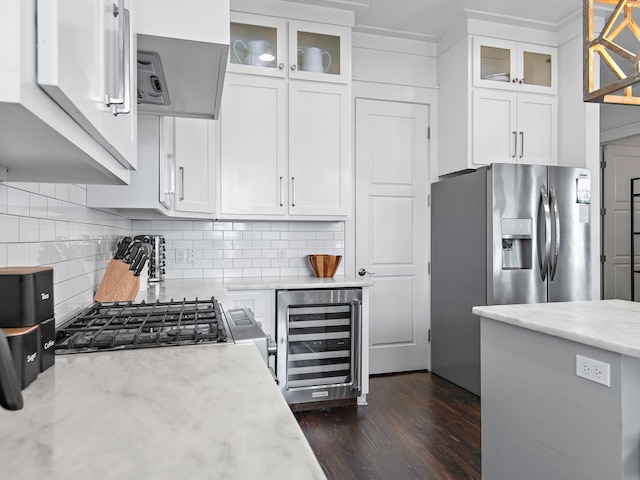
(232, 254)
(232, 235)
(161, 225)
(223, 226)
(167, 234)
(17, 202)
(29, 229)
(37, 206)
(18, 254)
(192, 235)
(9, 228)
(50, 225)
(54, 208)
(182, 225)
(62, 191)
(3, 198)
(78, 195)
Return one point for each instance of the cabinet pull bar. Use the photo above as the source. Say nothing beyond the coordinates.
(122, 42)
(515, 144)
(521, 144)
(126, 70)
(282, 191)
(181, 183)
(293, 191)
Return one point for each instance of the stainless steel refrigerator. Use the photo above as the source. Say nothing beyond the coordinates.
(503, 234)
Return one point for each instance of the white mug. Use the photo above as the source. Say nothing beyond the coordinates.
(312, 60)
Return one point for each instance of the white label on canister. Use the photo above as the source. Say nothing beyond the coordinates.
(48, 344)
(32, 357)
(320, 394)
(44, 296)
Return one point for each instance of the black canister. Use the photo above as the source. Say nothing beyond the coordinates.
(26, 296)
(46, 343)
(23, 343)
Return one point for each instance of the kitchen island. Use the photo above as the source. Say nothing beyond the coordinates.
(197, 412)
(540, 420)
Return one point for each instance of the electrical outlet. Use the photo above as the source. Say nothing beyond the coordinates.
(282, 255)
(191, 255)
(593, 370)
(181, 256)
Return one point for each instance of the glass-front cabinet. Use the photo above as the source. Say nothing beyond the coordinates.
(513, 65)
(294, 49)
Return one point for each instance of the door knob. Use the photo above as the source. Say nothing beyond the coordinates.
(362, 272)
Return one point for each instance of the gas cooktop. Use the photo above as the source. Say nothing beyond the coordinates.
(125, 325)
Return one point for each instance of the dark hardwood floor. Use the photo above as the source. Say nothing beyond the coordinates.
(416, 426)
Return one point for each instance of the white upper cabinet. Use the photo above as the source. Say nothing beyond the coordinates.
(86, 53)
(319, 150)
(286, 150)
(286, 122)
(70, 136)
(194, 146)
(514, 66)
(514, 129)
(175, 171)
(497, 103)
(252, 177)
(283, 48)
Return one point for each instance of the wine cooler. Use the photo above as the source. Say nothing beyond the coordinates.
(319, 335)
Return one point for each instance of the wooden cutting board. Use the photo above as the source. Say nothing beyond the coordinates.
(117, 284)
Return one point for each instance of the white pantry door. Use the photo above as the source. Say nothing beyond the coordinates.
(622, 164)
(392, 235)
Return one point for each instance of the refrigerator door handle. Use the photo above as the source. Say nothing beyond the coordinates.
(556, 216)
(543, 261)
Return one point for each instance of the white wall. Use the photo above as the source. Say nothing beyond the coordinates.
(45, 224)
(579, 132)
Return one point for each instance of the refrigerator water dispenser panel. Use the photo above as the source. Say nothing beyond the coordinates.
(517, 244)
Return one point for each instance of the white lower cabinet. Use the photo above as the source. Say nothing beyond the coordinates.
(285, 149)
(514, 128)
(175, 171)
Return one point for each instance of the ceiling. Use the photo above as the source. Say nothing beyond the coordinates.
(428, 20)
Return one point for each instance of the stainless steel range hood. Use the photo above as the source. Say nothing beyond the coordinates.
(182, 56)
(180, 77)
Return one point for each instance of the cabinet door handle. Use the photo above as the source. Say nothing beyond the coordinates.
(281, 191)
(294, 67)
(172, 177)
(181, 183)
(121, 104)
(281, 66)
(293, 191)
(515, 144)
(514, 80)
(521, 144)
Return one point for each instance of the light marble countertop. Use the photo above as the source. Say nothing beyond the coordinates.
(178, 289)
(197, 412)
(274, 283)
(612, 325)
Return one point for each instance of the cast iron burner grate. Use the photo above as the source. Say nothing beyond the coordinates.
(123, 325)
